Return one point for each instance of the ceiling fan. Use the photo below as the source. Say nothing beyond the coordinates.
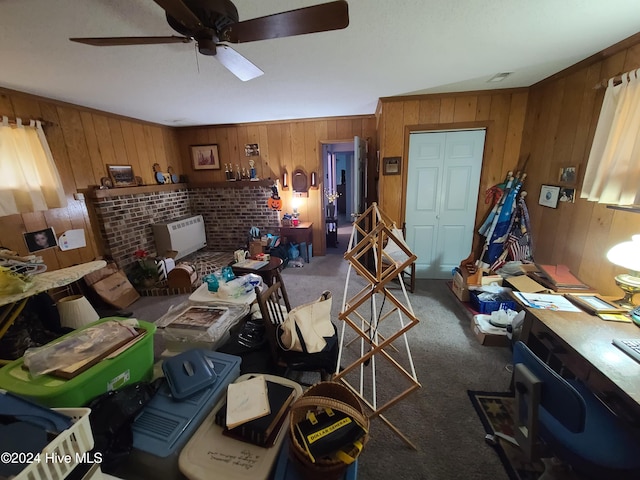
(210, 22)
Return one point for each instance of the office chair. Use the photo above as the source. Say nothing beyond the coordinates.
(274, 307)
(571, 421)
(392, 252)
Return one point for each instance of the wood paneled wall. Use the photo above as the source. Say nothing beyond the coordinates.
(283, 145)
(561, 120)
(551, 124)
(82, 142)
(501, 112)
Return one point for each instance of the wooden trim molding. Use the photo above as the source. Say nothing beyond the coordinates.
(118, 192)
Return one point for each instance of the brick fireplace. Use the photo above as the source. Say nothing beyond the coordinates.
(125, 215)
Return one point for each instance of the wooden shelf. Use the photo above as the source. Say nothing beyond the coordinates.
(240, 184)
(118, 192)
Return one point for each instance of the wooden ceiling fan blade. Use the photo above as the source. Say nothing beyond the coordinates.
(179, 11)
(317, 18)
(117, 41)
(236, 63)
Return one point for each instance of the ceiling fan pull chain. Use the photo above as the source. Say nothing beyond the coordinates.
(195, 50)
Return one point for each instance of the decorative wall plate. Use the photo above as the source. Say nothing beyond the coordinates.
(173, 176)
(158, 175)
(106, 182)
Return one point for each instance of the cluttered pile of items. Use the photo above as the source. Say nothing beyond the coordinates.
(96, 395)
(506, 265)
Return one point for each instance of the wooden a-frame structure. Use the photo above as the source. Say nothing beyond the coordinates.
(375, 228)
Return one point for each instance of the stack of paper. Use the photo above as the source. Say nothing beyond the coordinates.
(558, 278)
(546, 301)
(247, 401)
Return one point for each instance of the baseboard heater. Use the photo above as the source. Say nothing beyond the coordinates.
(183, 235)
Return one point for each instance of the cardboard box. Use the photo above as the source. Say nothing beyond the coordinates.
(460, 288)
(486, 338)
(479, 278)
(491, 280)
(529, 267)
(255, 248)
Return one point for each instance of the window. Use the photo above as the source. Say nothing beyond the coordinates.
(29, 180)
(613, 170)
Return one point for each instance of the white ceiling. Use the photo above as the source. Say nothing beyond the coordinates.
(391, 47)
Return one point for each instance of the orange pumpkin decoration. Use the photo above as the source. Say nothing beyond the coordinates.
(275, 202)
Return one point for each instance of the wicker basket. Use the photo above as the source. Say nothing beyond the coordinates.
(332, 395)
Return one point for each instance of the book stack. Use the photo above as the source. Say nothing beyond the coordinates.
(250, 264)
(559, 279)
(261, 430)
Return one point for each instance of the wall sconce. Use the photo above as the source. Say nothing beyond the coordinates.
(285, 179)
(314, 180)
(627, 255)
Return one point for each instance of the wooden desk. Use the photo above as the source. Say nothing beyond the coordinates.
(302, 233)
(580, 344)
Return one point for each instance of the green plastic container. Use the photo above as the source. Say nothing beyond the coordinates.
(133, 365)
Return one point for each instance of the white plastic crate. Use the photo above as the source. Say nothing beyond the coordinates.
(65, 452)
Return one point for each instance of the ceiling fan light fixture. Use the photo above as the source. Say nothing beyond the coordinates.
(206, 46)
(498, 77)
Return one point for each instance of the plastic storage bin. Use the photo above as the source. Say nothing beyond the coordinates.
(181, 339)
(209, 454)
(165, 424)
(73, 445)
(503, 302)
(133, 365)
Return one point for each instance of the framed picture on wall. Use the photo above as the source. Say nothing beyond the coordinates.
(40, 239)
(205, 157)
(549, 195)
(567, 195)
(568, 175)
(122, 175)
(391, 166)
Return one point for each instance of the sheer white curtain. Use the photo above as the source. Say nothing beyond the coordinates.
(613, 169)
(29, 180)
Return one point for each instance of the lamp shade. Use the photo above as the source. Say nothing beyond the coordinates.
(626, 254)
(76, 311)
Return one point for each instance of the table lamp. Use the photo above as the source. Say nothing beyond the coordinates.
(76, 311)
(627, 255)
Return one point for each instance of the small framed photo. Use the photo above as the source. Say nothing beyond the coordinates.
(568, 175)
(594, 304)
(549, 195)
(205, 157)
(40, 239)
(251, 150)
(391, 165)
(122, 175)
(567, 195)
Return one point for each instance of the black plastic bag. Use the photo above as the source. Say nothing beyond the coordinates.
(281, 251)
(111, 417)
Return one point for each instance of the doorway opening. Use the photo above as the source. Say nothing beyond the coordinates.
(338, 169)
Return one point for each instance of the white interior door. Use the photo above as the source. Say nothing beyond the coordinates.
(443, 179)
